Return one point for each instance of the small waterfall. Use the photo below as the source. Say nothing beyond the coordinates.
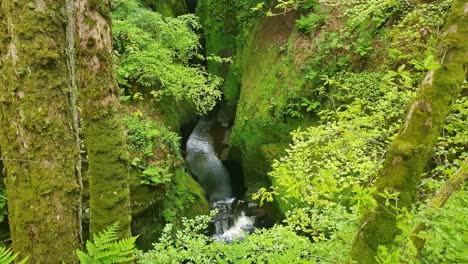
(205, 165)
(238, 225)
(224, 218)
(230, 222)
(242, 224)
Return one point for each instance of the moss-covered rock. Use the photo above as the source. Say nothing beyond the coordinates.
(272, 82)
(161, 190)
(174, 114)
(154, 206)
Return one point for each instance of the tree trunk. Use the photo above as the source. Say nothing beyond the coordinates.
(408, 154)
(37, 138)
(105, 139)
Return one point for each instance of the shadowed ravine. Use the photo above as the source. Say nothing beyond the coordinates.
(207, 168)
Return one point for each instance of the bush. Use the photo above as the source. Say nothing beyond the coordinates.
(154, 53)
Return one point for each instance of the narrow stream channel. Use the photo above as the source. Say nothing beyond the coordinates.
(231, 221)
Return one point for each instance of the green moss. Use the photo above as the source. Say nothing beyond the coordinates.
(175, 114)
(169, 8)
(153, 207)
(156, 203)
(185, 198)
(38, 142)
(102, 7)
(221, 29)
(109, 202)
(105, 140)
(149, 226)
(269, 78)
(199, 204)
(232, 86)
(90, 22)
(147, 202)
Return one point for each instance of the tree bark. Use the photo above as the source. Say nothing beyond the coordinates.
(408, 154)
(37, 138)
(105, 139)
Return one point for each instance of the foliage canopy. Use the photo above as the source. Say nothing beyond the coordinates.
(154, 55)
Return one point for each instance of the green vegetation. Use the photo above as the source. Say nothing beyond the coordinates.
(7, 256)
(156, 159)
(168, 8)
(154, 53)
(186, 244)
(107, 248)
(154, 150)
(348, 118)
(3, 203)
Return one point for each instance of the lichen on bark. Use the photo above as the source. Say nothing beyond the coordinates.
(37, 142)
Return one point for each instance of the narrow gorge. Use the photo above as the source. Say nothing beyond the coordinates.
(233, 131)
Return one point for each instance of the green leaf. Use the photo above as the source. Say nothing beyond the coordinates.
(107, 248)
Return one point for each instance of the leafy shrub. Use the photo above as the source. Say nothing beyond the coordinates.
(155, 155)
(154, 54)
(323, 181)
(446, 240)
(189, 245)
(154, 150)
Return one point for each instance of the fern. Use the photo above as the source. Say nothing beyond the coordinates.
(107, 248)
(7, 256)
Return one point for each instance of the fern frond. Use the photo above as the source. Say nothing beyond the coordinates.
(7, 256)
(108, 236)
(107, 248)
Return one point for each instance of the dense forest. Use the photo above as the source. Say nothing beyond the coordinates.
(233, 131)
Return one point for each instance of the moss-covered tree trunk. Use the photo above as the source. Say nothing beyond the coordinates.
(408, 154)
(37, 139)
(105, 139)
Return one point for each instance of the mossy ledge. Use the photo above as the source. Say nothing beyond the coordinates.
(266, 74)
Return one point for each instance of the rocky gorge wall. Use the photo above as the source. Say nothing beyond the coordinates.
(263, 78)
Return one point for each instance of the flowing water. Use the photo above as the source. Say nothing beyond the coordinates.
(231, 221)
